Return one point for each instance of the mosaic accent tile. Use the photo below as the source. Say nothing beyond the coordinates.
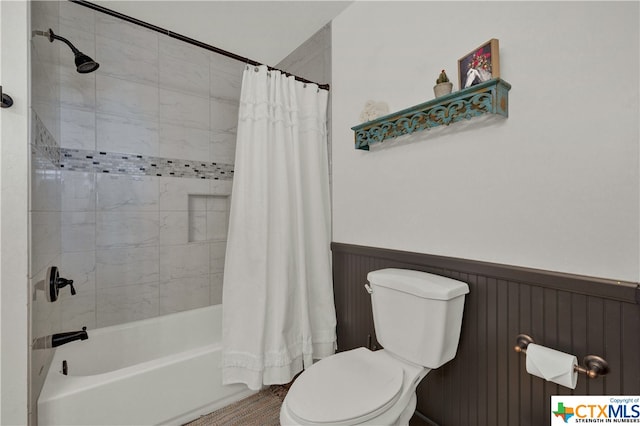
(45, 150)
(141, 165)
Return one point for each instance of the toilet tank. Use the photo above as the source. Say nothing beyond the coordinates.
(417, 315)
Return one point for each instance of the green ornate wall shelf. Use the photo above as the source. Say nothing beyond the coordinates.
(490, 97)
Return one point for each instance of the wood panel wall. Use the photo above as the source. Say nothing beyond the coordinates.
(487, 382)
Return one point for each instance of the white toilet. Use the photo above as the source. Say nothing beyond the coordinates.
(417, 317)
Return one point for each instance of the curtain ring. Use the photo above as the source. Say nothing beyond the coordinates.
(256, 69)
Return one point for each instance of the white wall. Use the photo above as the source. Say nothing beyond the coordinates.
(555, 186)
(14, 155)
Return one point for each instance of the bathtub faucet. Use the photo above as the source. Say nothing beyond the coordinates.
(63, 338)
(53, 340)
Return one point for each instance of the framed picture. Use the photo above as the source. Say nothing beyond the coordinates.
(481, 64)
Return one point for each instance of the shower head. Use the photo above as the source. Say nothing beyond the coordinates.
(84, 64)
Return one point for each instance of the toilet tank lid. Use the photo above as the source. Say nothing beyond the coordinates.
(421, 284)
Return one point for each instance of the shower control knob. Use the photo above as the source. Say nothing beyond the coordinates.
(55, 283)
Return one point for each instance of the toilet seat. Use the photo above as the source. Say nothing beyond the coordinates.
(344, 389)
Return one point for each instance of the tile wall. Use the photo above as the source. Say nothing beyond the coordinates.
(46, 188)
(131, 173)
(148, 145)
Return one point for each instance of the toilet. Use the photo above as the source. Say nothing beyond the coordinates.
(417, 318)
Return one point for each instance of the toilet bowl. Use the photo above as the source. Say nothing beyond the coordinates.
(354, 387)
(417, 318)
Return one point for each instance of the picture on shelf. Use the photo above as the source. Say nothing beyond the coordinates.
(480, 65)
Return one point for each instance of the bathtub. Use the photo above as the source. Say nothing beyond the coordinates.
(163, 370)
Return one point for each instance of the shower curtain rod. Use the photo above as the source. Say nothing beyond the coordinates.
(188, 40)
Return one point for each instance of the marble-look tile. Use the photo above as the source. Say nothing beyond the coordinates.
(197, 226)
(174, 227)
(187, 143)
(216, 288)
(126, 32)
(126, 98)
(218, 203)
(181, 261)
(78, 311)
(126, 134)
(224, 116)
(185, 52)
(123, 229)
(77, 90)
(76, 16)
(44, 14)
(221, 187)
(184, 293)
(45, 315)
(217, 252)
(174, 192)
(198, 202)
(223, 147)
(225, 77)
(45, 190)
(83, 40)
(49, 114)
(78, 191)
(217, 225)
(118, 305)
(81, 268)
(123, 193)
(127, 61)
(183, 76)
(77, 128)
(43, 55)
(78, 231)
(45, 149)
(46, 240)
(127, 266)
(45, 95)
(184, 109)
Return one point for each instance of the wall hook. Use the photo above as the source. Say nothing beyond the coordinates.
(6, 99)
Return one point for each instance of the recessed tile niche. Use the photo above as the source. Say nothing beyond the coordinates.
(208, 217)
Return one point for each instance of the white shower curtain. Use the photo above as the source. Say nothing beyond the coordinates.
(278, 311)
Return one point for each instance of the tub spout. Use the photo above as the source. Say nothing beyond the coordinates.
(63, 338)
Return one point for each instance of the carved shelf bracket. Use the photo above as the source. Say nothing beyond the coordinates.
(490, 97)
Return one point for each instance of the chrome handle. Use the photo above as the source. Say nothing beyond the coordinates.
(368, 288)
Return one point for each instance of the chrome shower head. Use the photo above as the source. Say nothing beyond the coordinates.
(84, 64)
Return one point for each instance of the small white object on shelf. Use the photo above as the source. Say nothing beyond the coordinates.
(373, 110)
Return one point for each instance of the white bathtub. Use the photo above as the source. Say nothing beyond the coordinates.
(163, 370)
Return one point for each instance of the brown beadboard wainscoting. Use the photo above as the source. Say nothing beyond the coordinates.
(487, 383)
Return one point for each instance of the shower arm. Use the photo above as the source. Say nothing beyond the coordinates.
(53, 36)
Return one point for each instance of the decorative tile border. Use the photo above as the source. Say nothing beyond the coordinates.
(44, 147)
(141, 165)
(47, 154)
